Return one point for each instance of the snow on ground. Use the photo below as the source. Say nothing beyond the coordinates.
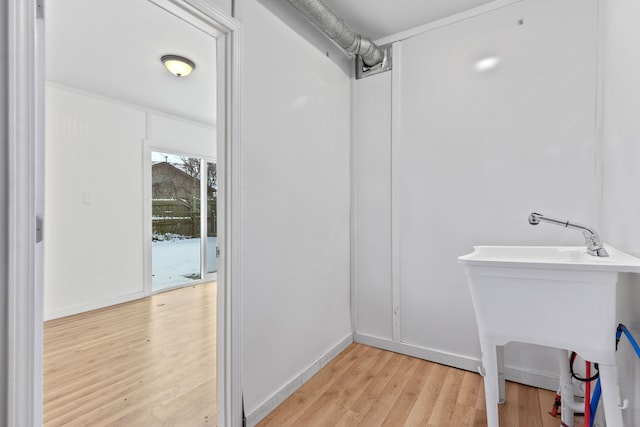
(177, 262)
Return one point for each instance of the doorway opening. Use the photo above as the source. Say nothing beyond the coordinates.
(26, 177)
(183, 219)
(99, 309)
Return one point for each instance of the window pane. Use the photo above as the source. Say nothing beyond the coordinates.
(212, 217)
(175, 193)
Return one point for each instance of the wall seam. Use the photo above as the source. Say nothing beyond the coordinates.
(599, 113)
(395, 192)
(353, 248)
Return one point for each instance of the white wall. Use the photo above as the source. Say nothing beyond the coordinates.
(166, 133)
(225, 6)
(295, 203)
(372, 225)
(4, 183)
(621, 175)
(472, 154)
(94, 196)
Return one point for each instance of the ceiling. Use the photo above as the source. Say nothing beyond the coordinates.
(381, 18)
(113, 48)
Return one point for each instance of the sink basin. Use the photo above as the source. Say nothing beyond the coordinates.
(525, 293)
(533, 294)
(551, 257)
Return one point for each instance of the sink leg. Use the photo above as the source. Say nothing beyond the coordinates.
(611, 395)
(566, 388)
(501, 379)
(491, 387)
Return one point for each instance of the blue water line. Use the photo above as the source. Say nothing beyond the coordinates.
(595, 398)
(597, 392)
(634, 344)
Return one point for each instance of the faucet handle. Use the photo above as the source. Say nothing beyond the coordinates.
(594, 246)
(601, 252)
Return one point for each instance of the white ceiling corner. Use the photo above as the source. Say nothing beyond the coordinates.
(382, 18)
(113, 48)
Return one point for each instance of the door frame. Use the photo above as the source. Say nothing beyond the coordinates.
(25, 106)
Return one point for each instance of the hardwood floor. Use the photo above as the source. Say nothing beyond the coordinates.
(150, 362)
(369, 387)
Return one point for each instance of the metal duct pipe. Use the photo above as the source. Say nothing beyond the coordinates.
(332, 25)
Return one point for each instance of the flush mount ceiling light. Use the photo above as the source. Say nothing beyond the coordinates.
(177, 65)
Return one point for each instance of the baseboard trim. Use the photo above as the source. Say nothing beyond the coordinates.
(536, 379)
(295, 383)
(94, 305)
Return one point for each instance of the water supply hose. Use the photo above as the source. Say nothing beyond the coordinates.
(595, 398)
(597, 392)
(634, 344)
(572, 359)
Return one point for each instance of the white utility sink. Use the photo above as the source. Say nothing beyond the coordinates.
(551, 257)
(532, 294)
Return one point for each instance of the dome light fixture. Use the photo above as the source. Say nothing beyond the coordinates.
(178, 65)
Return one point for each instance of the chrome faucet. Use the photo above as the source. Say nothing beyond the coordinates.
(594, 246)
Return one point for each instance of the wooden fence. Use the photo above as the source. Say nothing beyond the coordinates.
(182, 217)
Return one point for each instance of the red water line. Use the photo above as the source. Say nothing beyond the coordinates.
(587, 397)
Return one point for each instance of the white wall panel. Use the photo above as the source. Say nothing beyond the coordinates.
(188, 137)
(479, 151)
(373, 211)
(4, 208)
(93, 199)
(225, 6)
(295, 204)
(621, 175)
(621, 139)
(94, 195)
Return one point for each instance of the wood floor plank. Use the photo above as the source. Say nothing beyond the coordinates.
(509, 411)
(311, 395)
(370, 371)
(349, 419)
(465, 410)
(381, 378)
(426, 399)
(445, 404)
(407, 400)
(528, 407)
(469, 390)
(389, 389)
(340, 389)
(150, 362)
(389, 396)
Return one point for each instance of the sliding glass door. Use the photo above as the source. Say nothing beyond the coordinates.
(212, 218)
(183, 220)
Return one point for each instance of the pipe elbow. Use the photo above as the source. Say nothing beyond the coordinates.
(370, 52)
(320, 15)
